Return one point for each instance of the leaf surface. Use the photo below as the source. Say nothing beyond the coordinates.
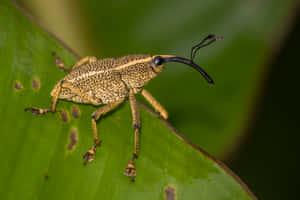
(37, 162)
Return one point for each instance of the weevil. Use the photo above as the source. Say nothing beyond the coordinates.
(109, 82)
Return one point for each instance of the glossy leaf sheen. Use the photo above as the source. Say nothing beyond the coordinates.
(35, 161)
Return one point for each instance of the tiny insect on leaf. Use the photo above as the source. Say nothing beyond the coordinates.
(109, 82)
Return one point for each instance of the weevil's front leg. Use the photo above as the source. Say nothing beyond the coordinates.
(59, 63)
(90, 155)
(155, 104)
(39, 111)
(130, 169)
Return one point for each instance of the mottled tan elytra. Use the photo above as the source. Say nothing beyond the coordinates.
(109, 82)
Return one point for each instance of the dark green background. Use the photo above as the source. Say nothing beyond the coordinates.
(269, 161)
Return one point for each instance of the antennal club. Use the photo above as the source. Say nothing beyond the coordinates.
(205, 42)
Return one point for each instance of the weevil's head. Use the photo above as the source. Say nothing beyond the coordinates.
(137, 70)
(158, 61)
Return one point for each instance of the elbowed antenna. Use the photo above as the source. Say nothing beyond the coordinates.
(190, 63)
(208, 39)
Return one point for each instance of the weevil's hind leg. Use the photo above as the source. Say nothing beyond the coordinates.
(130, 169)
(90, 154)
(87, 59)
(40, 111)
(155, 104)
(59, 63)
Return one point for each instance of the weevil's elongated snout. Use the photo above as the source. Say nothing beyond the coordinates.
(211, 38)
(189, 63)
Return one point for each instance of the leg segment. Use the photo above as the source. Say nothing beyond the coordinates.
(155, 104)
(39, 111)
(59, 63)
(135, 122)
(130, 169)
(90, 155)
(78, 93)
(87, 59)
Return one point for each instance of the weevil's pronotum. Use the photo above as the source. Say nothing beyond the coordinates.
(110, 81)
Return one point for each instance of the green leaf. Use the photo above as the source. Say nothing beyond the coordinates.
(37, 162)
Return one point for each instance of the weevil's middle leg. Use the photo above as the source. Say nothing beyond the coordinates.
(40, 111)
(130, 169)
(90, 154)
(59, 63)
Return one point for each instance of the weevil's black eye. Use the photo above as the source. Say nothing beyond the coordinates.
(158, 60)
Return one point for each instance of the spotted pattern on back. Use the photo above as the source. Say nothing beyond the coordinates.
(107, 80)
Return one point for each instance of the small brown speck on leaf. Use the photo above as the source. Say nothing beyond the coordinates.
(75, 112)
(118, 119)
(46, 176)
(18, 85)
(170, 193)
(64, 115)
(35, 83)
(73, 139)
